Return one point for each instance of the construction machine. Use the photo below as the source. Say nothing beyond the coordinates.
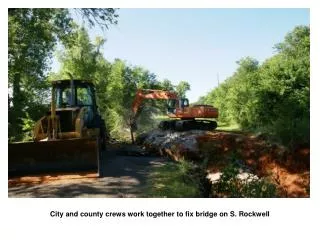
(184, 117)
(69, 137)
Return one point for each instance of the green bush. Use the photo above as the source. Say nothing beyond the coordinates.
(273, 96)
(230, 185)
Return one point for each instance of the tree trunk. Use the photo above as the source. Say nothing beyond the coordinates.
(132, 136)
(17, 108)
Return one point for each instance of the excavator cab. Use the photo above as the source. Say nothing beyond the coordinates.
(184, 117)
(184, 102)
(173, 104)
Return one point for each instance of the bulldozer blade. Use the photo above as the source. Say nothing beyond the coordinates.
(62, 155)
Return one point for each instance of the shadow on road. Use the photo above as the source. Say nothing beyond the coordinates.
(122, 176)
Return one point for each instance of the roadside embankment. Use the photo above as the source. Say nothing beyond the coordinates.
(288, 170)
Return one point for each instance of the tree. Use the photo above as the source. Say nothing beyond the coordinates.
(33, 35)
(272, 97)
(116, 82)
(201, 100)
(167, 85)
(102, 17)
(284, 98)
(182, 88)
(80, 58)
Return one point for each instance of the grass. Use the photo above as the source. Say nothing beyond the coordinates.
(161, 117)
(174, 180)
(228, 127)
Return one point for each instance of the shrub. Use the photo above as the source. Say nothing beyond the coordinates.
(230, 185)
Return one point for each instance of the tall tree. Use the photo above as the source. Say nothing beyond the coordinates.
(33, 35)
(167, 85)
(272, 97)
(285, 93)
(80, 59)
(182, 88)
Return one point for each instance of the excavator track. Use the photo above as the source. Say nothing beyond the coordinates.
(187, 117)
(185, 125)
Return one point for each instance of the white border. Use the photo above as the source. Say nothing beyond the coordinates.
(290, 218)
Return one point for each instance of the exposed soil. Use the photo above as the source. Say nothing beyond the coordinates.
(126, 167)
(289, 170)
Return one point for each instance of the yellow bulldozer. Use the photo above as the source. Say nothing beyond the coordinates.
(69, 137)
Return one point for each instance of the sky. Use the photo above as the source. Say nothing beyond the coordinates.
(200, 46)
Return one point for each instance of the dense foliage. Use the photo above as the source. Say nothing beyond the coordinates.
(33, 35)
(232, 184)
(272, 97)
(30, 52)
(116, 83)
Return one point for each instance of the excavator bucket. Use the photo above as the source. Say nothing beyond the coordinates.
(49, 156)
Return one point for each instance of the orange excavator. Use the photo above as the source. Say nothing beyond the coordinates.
(184, 117)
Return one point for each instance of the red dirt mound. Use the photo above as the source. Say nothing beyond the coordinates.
(289, 170)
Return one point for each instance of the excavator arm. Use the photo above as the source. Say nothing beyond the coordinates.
(146, 94)
(186, 117)
(150, 94)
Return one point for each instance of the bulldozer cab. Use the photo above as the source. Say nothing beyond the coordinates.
(69, 137)
(76, 94)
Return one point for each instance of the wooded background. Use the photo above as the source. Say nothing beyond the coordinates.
(271, 97)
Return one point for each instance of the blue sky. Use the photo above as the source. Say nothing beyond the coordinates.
(197, 45)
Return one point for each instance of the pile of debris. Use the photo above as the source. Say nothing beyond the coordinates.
(289, 170)
(176, 145)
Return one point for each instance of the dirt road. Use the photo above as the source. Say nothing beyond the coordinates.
(124, 175)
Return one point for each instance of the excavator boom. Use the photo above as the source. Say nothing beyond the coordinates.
(150, 94)
(191, 117)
